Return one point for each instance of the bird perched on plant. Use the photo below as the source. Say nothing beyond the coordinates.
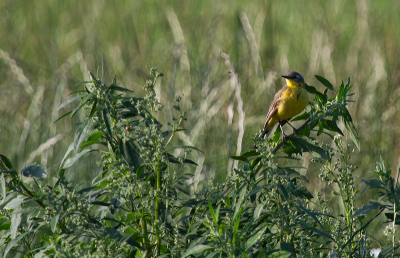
(288, 102)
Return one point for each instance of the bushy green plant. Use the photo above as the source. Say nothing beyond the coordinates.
(139, 204)
(130, 206)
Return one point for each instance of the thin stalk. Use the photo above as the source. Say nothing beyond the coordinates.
(190, 225)
(144, 229)
(158, 186)
(173, 132)
(394, 227)
(143, 223)
(346, 190)
(158, 237)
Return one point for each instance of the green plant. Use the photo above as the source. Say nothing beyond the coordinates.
(133, 200)
(139, 204)
(266, 207)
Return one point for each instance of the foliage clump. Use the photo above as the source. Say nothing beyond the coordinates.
(140, 205)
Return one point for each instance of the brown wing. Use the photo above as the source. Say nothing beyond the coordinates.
(273, 109)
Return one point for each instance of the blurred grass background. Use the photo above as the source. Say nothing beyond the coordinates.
(47, 47)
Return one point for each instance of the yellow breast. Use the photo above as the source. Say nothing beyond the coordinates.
(293, 102)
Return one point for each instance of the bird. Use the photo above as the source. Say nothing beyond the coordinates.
(288, 102)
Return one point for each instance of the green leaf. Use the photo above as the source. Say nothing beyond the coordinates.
(118, 88)
(319, 96)
(325, 95)
(114, 81)
(3, 188)
(254, 162)
(254, 191)
(285, 246)
(320, 128)
(105, 204)
(246, 155)
(128, 104)
(70, 100)
(175, 160)
(332, 126)
(83, 103)
(348, 123)
(93, 109)
(255, 238)
(15, 221)
(228, 202)
(94, 78)
(180, 129)
(78, 91)
(245, 255)
(373, 183)
(176, 214)
(5, 225)
(53, 223)
(240, 201)
(369, 207)
(181, 186)
(340, 95)
(196, 250)
(310, 89)
(108, 122)
(130, 153)
(66, 114)
(278, 254)
(277, 135)
(14, 242)
(86, 190)
(93, 139)
(303, 116)
(325, 82)
(303, 191)
(212, 254)
(15, 203)
(283, 191)
(257, 210)
(73, 159)
(321, 233)
(294, 174)
(187, 147)
(215, 219)
(115, 234)
(70, 148)
(311, 214)
(390, 217)
(6, 161)
(140, 170)
(80, 134)
(34, 170)
(347, 87)
(306, 145)
(238, 158)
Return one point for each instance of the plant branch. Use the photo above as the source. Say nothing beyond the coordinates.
(286, 138)
(366, 224)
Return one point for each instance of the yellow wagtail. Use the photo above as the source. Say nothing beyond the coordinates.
(288, 102)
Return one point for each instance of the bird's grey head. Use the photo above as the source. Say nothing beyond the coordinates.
(294, 76)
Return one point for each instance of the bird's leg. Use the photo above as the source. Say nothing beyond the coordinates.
(294, 129)
(281, 123)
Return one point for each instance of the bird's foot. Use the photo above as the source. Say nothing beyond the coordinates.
(295, 131)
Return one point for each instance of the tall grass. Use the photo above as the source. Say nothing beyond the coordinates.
(47, 47)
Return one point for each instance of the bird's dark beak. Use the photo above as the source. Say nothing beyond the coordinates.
(285, 76)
